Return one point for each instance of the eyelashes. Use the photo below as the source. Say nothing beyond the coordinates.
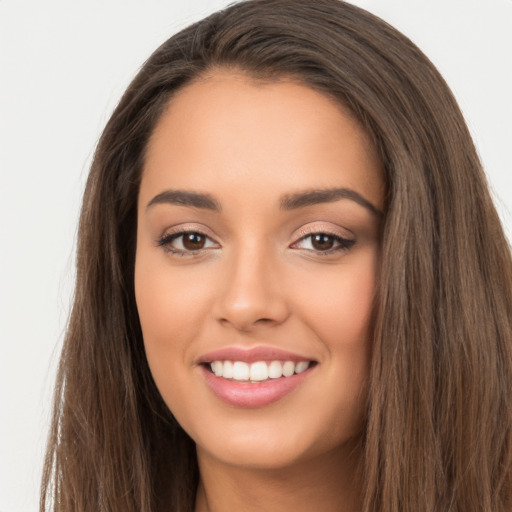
(324, 243)
(192, 243)
(184, 242)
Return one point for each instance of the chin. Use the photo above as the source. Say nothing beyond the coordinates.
(273, 446)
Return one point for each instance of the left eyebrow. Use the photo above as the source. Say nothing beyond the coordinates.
(328, 195)
(186, 198)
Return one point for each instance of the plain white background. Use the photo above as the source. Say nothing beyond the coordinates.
(63, 66)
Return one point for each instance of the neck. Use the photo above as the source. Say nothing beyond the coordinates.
(330, 483)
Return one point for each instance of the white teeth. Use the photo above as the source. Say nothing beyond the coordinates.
(275, 370)
(288, 368)
(258, 371)
(227, 371)
(217, 368)
(240, 370)
(300, 367)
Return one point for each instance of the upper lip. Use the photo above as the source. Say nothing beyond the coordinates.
(251, 355)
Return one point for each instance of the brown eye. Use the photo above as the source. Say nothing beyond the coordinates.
(187, 243)
(193, 241)
(322, 242)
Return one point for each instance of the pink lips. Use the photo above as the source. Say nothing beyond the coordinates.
(246, 394)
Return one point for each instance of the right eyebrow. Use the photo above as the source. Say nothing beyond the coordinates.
(329, 195)
(186, 198)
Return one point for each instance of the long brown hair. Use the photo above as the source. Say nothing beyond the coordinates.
(439, 428)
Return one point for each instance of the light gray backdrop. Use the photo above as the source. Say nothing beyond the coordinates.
(63, 66)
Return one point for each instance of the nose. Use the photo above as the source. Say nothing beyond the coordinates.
(252, 293)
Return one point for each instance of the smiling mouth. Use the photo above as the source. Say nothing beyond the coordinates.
(258, 371)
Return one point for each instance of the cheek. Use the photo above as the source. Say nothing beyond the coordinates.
(172, 309)
(340, 311)
(167, 301)
(340, 315)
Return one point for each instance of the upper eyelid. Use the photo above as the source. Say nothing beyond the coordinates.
(314, 230)
(184, 229)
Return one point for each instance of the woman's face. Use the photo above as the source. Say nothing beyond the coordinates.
(257, 255)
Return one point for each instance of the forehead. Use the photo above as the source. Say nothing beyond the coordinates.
(230, 128)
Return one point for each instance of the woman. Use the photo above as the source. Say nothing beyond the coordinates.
(293, 290)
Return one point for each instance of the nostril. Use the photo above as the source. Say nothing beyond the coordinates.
(245, 324)
(264, 320)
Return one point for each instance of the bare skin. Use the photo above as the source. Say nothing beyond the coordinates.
(235, 252)
(327, 485)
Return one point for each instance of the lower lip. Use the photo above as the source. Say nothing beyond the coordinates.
(247, 394)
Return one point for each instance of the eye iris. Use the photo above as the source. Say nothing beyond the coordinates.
(193, 241)
(322, 242)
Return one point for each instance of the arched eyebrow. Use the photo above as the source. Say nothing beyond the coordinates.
(327, 195)
(186, 198)
(287, 202)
